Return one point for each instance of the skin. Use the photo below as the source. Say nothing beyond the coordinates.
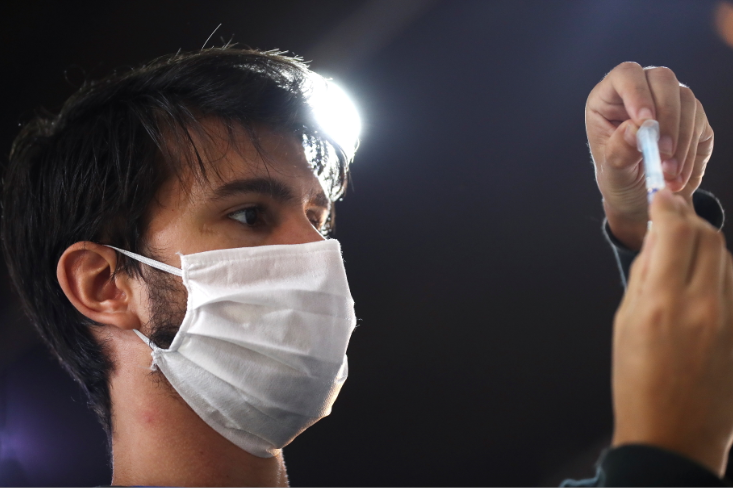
(673, 340)
(615, 109)
(672, 358)
(231, 210)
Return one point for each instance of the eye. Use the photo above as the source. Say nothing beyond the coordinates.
(251, 216)
(317, 220)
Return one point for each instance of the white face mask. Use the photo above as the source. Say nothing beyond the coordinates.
(261, 353)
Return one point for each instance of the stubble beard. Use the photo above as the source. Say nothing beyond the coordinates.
(167, 302)
(167, 298)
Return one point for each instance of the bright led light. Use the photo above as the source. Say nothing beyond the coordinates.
(336, 114)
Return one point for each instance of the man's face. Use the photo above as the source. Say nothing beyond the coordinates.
(249, 198)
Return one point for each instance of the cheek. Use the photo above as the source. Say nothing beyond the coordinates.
(167, 303)
(138, 302)
(225, 233)
(170, 233)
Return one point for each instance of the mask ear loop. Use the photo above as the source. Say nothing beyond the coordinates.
(160, 266)
(145, 339)
(150, 344)
(150, 262)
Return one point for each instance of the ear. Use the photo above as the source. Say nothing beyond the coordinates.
(85, 273)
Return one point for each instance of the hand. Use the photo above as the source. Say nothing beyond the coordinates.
(673, 340)
(615, 109)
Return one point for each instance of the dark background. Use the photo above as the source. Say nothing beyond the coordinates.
(471, 233)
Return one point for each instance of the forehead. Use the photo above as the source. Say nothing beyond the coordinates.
(223, 153)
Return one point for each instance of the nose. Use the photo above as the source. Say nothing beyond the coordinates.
(297, 229)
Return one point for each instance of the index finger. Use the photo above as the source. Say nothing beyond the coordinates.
(627, 86)
(675, 239)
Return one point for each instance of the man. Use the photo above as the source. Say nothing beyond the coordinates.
(189, 154)
(178, 210)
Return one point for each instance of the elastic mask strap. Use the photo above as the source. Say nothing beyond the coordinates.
(143, 337)
(151, 345)
(148, 261)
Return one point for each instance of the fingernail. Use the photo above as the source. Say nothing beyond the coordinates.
(645, 114)
(630, 134)
(670, 167)
(665, 145)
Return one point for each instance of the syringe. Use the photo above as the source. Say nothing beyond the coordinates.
(647, 140)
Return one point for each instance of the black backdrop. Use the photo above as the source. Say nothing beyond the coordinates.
(471, 232)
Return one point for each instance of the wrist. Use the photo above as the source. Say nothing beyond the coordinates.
(626, 228)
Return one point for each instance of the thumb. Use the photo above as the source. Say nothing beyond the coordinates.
(621, 152)
(666, 206)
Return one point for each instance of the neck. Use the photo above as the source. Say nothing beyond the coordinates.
(158, 440)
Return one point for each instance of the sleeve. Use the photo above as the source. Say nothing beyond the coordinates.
(646, 466)
(641, 465)
(706, 205)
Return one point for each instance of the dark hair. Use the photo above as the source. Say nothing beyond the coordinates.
(91, 172)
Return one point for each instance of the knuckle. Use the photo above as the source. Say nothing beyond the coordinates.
(700, 118)
(661, 311)
(616, 161)
(681, 230)
(662, 73)
(687, 93)
(629, 66)
(706, 311)
(625, 70)
(615, 156)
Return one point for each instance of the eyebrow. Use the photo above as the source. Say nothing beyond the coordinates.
(321, 200)
(266, 186)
